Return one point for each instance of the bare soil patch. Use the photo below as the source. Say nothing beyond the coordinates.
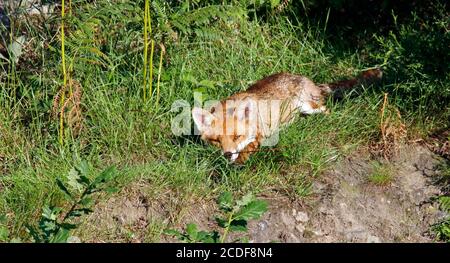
(345, 207)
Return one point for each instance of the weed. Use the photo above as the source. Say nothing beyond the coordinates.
(381, 174)
(56, 223)
(235, 216)
(442, 229)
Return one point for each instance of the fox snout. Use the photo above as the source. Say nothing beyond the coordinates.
(228, 155)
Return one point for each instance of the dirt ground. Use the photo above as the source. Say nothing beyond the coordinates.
(344, 207)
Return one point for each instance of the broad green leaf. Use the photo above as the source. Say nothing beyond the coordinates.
(200, 90)
(83, 168)
(64, 189)
(191, 230)
(245, 200)
(61, 236)
(75, 213)
(4, 233)
(34, 234)
(48, 213)
(251, 211)
(238, 225)
(222, 222)
(87, 201)
(73, 179)
(189, 78)
(207, 83)
(84, 181)
(68, 226)
(47, 226)
(225, 201)
(80, 212)
(208, 237)
(105, 176)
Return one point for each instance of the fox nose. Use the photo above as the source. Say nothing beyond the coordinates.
(228, 155)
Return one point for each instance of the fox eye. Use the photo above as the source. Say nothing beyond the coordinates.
(214, 142)
(236, 137)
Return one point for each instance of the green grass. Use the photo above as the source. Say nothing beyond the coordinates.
(382, 174)
(105, 46)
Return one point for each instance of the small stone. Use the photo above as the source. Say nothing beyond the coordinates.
(302, 217)
(373, 239)
(300, 228)
(73, 239)
(263, 225)
(318, 233)
(287, 219)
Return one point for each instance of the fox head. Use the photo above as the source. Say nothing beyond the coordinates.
(231, 126)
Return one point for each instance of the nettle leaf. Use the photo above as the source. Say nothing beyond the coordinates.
(225, 201)
(73, 180)
(61, 236)
(47, 226)
(245, 200)
(64, 189)
(105, 176)
(191, 230)
(68, 226)
(80, 212)
(87, 201)
(84, 181)
(83, 168)
(252, 210)
(48, 213)
(34, 233)
(208, 237)
(222, 222)
(238, 225)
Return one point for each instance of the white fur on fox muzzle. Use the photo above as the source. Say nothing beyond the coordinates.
(234, 156)
(241, 146)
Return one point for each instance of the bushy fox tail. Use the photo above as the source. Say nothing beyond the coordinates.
(366, 77)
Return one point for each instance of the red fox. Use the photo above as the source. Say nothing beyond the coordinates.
(240, 123)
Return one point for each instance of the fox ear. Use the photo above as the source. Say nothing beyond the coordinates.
(246, 109)
(202, 118)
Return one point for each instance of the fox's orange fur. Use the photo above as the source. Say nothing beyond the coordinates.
(240, 123)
